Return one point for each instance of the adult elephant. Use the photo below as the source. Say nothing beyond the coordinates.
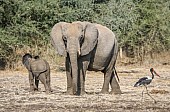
(86, 46)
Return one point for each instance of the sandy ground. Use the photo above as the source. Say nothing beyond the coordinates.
(15, 95)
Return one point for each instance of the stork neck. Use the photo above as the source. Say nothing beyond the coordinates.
(152, 75)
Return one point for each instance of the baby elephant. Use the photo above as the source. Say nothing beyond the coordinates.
(38, 69)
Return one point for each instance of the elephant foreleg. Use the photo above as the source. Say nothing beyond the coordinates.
(31, 81)
(43, 79)
(69, 77)
(83, 68)
(83, 64)
(82, 82)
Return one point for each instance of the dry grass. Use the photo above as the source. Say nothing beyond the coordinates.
(15, 95)
(155, 91)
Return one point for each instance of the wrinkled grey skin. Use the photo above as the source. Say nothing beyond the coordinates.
(38, 69)
(86, 46)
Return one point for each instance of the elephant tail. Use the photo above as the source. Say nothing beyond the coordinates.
(115, 54)
(116, 74)
(38, 73)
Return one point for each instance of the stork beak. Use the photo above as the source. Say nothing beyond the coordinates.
(155, 73)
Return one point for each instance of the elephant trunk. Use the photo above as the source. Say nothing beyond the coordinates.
(27, 64)
(74, 68)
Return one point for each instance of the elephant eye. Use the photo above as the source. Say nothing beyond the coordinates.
(65, 41)
(81, 38)
(64, 38)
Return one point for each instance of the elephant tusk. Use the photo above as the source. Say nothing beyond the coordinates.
(79, 52)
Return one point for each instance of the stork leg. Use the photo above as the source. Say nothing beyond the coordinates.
(142, 94)
(149, 94)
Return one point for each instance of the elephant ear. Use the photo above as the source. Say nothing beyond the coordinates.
(57, 40)
(90, 39)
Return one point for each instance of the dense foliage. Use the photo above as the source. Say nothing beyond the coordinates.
(141, 26)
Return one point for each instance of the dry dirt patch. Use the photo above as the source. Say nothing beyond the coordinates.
(15, 95)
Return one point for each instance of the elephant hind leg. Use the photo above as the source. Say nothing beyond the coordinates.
(31, 81)
(105, 88)
(83, 64)
(48, 81)
(43, 79)
(114, 85)
(36, 84)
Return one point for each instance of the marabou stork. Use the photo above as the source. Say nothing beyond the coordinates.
(146, 81)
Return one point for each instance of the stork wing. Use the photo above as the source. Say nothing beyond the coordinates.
(140, 81)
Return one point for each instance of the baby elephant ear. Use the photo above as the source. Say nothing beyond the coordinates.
(90, 39)
(56, 38)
